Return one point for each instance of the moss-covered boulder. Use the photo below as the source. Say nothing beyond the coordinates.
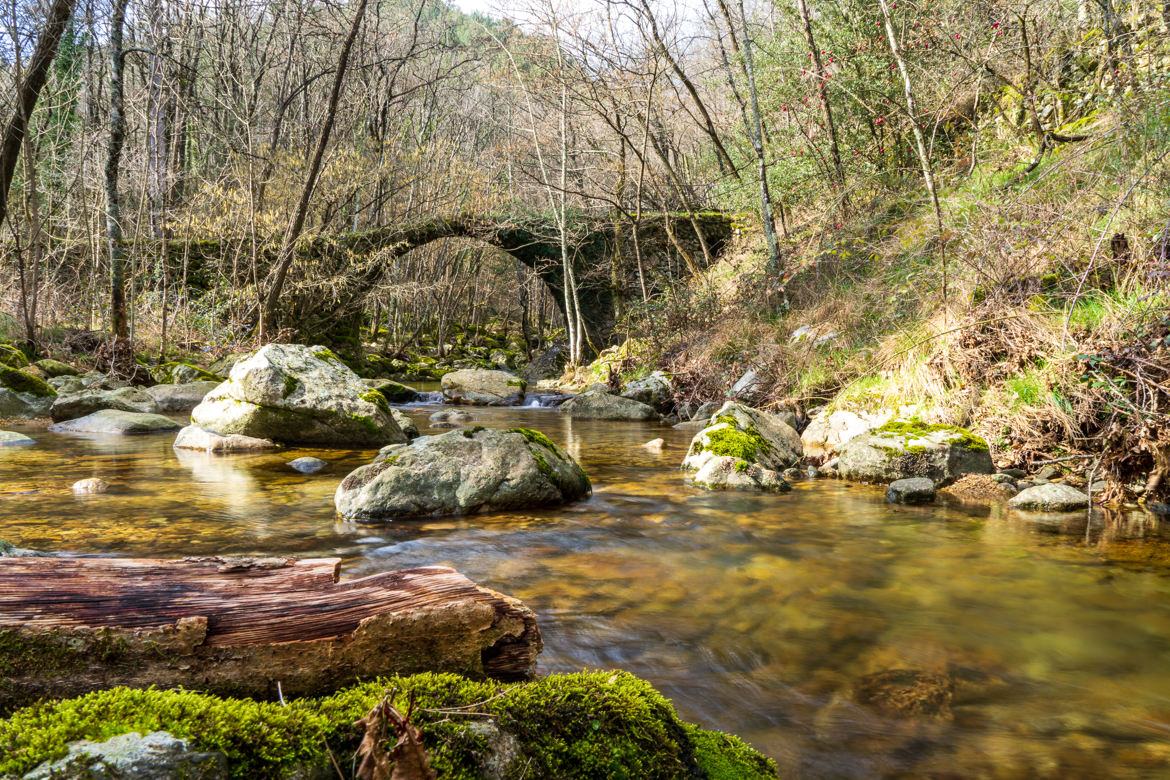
(394, 392)
(296, 394)
(23, 396)
(176, 373)
(462, 472)
(743, 448)
(568, 727)
(480, 387)
(11, 356)
(55, 368)
(908, 447)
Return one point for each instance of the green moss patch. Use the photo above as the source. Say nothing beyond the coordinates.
(734, 441)
(11, 356)
(913, 427)
(593, 725)
(19, 382)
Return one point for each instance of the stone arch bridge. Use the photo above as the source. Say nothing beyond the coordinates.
(612, 261)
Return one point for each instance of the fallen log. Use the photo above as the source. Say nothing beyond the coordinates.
(246, 626)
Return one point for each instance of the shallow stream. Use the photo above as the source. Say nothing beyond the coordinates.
(761, 615)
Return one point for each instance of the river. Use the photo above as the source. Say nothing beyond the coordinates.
(755, 614)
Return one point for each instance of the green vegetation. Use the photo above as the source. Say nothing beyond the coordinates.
(19, 382)
(913, 428)
(728, 437)
(600, 724)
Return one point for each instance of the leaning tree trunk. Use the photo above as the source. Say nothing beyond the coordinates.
(245, 627)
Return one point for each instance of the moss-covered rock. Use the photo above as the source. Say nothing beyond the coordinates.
(23, 382)
(594, 725)
(908, 447)
(175, 373)
(394, 392)
(11, 356)
(743, 448)
(55, 368)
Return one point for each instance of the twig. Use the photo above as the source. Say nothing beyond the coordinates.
(1062, 460)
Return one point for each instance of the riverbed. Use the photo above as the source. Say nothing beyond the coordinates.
(761, 615)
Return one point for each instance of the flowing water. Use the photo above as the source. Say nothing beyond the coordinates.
(761, 615)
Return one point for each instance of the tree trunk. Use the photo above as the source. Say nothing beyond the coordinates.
(297, 223)
(117, 138)
(823, 93)
(242, 626)
(27, 94)
(766, 213)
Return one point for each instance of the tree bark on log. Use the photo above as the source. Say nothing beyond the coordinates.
(241, 626)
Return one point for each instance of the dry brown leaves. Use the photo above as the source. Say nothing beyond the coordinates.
(407, 760)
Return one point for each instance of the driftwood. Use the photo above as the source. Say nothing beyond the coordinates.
(243, 626)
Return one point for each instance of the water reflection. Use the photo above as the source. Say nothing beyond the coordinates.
(764, 615)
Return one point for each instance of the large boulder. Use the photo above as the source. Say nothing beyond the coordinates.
(481, 387)
(599, 405)
(654, 390)
(180, 398)
(827, 432)
(117, 421)
(750, 438)
(11, 356)
(176, 373)
(64, 385)
(22, 395)
(195, 438)
(295, 394)
(906, 448)
(157, 756)
(126, 399)
(1053, 497)
(462, 472)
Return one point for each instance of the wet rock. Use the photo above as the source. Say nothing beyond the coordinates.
(692, 425)
(917, 490)
(118, 422)
(598, 405)
(450, 415)
(906, 693)
(654, 445)
(180, 398)
(654, 391)
(445, 425)
(55, 368)
(813, 472)
(727, 473)
(792, 474)
(91, 485)
(14, 439)
(157, 756)
(479, 387)
(462, 472)
(8, 550)
(408, 425)
(308, 465)
(911, 448)
(827, 433)
(296, 394)
(126, 399)
(1052, 497)
(195, 438)
(747, 435)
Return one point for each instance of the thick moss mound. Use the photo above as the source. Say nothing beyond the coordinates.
(593, 725)
(19, 382)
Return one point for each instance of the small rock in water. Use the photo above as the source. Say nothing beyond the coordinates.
(12, 438)
(792, 474)
(445, 425)
(916, 490)
(308, 465)
(907, 693)
(654, 445)
(1052, 497)
(91, 485)
(813, 472)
